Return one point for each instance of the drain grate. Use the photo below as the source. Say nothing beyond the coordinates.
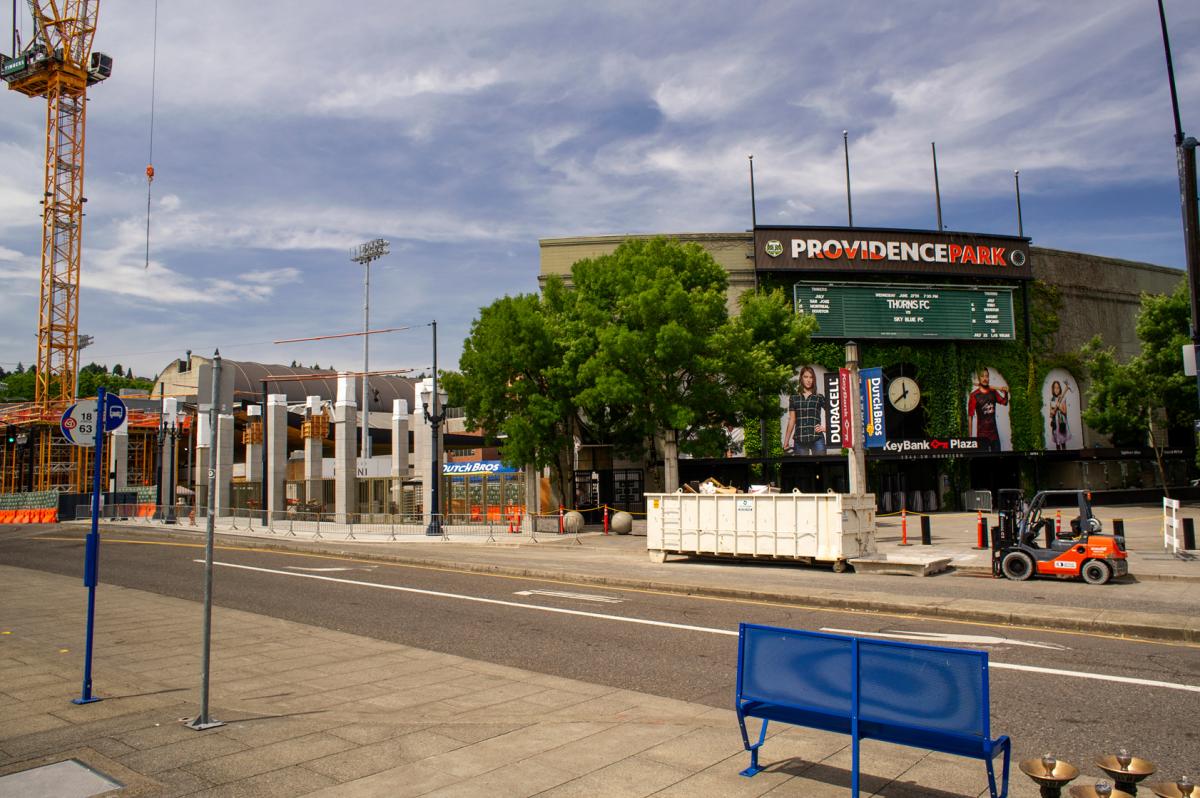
(69, 779)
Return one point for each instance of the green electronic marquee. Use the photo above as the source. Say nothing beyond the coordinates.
(877, 310)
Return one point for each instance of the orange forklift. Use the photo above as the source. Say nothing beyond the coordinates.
(1079, 550)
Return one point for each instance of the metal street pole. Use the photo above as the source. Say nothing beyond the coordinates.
(852, 405)
(1185, 156)
(846, 149)
(203, 721)
(435, 421)
(91, 562)
(1020, 219)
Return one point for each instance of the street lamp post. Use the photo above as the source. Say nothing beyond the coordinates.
(1185, 157)
(437, 400)
(364, 254)
(168, 433)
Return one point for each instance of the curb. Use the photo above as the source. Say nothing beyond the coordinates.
(1139, 625)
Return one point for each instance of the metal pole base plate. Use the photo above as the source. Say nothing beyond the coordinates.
(197, 725)
(85, 700)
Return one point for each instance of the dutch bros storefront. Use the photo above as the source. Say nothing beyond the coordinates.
(484, 490)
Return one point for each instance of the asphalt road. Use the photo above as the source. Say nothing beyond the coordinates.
(669, 645)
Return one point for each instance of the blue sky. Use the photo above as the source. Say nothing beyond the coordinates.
(287, 132)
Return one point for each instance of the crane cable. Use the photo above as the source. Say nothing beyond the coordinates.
(150, 158)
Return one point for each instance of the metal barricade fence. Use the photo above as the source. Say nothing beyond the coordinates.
(369, 527)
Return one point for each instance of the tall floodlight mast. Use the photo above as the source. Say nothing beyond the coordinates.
(58, 64)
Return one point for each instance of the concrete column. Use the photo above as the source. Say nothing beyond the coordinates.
(420, 432)
(670, 461)
(345, 461)
(118, 459)
(254, 415)
(399, 448)
(532, 502)
(223, 462)
(203, 459)
(313, 455)
(166, 474)
(276, 443)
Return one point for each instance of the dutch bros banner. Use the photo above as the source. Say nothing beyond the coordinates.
(477, 468)
(871, 388)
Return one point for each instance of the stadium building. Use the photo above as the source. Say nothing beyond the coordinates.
(971, 342)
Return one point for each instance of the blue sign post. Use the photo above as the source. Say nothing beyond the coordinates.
(109, 413)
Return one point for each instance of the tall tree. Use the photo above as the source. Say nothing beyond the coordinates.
(1141, 399)
(513, 383)
(639, 349)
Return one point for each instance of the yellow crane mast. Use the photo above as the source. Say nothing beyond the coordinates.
(58, 64)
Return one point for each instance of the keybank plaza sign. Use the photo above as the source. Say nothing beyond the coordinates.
(933, 445)
(885, 251)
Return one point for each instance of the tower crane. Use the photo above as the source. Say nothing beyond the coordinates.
(57, 63)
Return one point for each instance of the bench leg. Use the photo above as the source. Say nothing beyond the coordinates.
(753, 749)
(1006, 745)
(854, 759)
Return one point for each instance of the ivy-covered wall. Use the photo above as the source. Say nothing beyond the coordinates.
(945, 370)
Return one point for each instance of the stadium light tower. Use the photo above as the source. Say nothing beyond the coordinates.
(364, 254)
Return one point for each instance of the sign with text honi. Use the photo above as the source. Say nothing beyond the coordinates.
(864, 250)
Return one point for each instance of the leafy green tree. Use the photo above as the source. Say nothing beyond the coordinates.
(640, 345)
(20, 386)
(513, 383)
(1149, 394)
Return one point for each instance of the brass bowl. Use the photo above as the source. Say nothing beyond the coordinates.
(1167, 789)
(1062, 773)
(1138, 769)
(1088, 791)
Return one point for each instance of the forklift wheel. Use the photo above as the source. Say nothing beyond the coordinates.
(1017, 565)
(1096, 572)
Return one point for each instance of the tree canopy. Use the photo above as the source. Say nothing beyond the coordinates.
(638, 343)
(1149, 394)
(20, 385)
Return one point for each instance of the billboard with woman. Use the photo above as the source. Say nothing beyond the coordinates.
(805, 421)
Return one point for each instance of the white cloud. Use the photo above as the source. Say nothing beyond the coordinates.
(367, 93)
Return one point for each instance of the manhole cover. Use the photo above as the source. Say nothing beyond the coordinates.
(69, 779)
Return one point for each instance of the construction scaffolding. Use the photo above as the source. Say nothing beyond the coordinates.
(34, 455)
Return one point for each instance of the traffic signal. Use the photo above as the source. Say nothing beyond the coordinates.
(10, 434)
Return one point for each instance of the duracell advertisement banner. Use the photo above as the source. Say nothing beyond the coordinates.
(864, 250)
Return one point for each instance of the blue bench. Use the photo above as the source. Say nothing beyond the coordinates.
(922, 696)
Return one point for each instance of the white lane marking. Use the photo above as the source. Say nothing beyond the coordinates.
(562, 594)
(686, 627)
(941, 637)
(326, 570)
(481, 600)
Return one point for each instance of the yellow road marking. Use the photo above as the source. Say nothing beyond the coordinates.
(645, 591)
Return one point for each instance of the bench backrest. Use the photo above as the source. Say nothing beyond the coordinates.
(906, 685)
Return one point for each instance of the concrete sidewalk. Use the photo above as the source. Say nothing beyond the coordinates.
(310, 711)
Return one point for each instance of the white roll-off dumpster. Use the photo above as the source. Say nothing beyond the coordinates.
(820, 527)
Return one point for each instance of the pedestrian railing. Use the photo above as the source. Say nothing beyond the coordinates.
(364, 527)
